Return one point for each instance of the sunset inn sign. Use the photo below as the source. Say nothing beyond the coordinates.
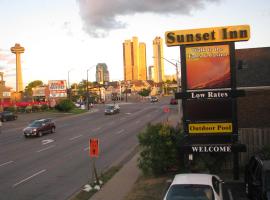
(208, 88)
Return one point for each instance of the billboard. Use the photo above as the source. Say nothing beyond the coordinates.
(208, 67)
(57, 88)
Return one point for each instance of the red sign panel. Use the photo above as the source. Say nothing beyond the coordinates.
(94, 147)
(166, 109)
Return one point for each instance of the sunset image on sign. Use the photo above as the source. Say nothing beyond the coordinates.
(208, 67)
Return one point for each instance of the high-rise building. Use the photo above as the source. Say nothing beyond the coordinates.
(151, 72)
(158, 60)
(134, 58)
(142, 72)
(102, 73)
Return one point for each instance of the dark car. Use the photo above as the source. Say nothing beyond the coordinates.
(111, 109)
(153, 99)
(173, 101)
(7, 116)
(257, 178)
(39, 127)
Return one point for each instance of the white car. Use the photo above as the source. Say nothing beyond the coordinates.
(195, 187)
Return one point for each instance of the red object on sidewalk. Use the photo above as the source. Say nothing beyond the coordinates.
(94, 147)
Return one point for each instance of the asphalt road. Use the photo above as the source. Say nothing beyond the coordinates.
(57, 165)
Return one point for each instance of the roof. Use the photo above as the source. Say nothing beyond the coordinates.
(196, 179)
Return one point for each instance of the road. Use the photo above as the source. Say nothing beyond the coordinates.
(57, 165)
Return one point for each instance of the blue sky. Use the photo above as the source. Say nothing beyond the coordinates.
(63, 35)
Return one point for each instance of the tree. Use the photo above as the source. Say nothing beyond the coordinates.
(28, 89)
(144, 92)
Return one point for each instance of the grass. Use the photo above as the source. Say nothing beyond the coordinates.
(149, 188)
(83, 195)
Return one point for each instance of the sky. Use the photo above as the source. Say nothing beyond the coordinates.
(68, 37)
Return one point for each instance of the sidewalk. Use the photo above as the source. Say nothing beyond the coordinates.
(121, 183)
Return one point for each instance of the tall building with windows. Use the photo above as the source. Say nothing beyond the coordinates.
(102, 73)
(151, 72)
(134, 59)
(158, 60)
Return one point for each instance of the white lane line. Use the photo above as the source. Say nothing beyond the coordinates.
(137, 122)
(76, 137)
(49, 147)
(26, 179)
(128, 113)
(86, 149)
(96, 129)
(120, 131)
(230, 194)
(6, 163)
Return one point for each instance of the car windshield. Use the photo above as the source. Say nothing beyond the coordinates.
(109, 107)
(267, 180)
(35, 124)
(190, 192)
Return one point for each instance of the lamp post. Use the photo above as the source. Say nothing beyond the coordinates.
(69, 91)
(87, 87)
(177, 82)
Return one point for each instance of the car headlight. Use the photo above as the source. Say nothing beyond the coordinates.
(34, 130)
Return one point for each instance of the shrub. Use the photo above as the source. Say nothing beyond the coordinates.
(159, 144)
(11, 109)
(44, 107)
(65, 105)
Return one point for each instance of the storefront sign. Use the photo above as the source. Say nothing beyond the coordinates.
(211, 148)
(208, 35)
(199, 128)
(57, 88)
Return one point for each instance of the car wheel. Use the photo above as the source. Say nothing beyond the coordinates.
(39, 134)
(52, 129)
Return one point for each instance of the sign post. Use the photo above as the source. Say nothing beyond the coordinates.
(209, 88)
(94, 153)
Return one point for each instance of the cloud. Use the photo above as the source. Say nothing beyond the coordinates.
(101, 16)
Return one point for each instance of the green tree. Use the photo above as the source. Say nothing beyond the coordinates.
(144, 92)
(159, 145)
(28, 88)
(65, 105)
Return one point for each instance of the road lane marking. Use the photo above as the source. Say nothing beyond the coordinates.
(120, 131)
(30, 177)
(230, 194)
(128, 113)
(49, 147)
(6, 163)
(44, 142)
(86, 149)
(76, 137)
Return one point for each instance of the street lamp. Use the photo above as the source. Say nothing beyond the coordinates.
(87, 87)
(69, 91)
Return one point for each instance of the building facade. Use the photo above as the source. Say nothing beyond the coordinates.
(102, 73)
(158, 60)
(134, 60)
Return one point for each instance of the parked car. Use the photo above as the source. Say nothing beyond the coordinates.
(153, 99)
(7, 116)
(195, 186)
(173, 101)
(39, 127)
(111, 109)
(257, 178)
